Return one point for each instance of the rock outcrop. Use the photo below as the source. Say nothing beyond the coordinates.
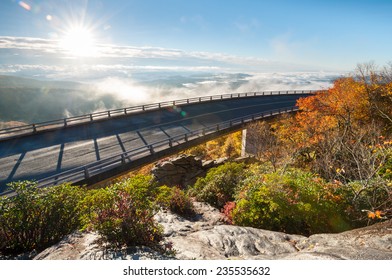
(185, 169)
(86, 246)
(207, 237)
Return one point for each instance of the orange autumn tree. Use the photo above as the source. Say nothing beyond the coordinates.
(344, 105)
(334, 129)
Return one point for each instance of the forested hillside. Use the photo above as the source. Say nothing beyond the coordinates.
(29, 101)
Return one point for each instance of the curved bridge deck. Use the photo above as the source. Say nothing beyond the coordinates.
(92, 148)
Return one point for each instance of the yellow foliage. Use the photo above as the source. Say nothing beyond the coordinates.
(371, 215)
(225, 146)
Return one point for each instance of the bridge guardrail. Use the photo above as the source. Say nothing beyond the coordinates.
(61, 123)
(86, 171)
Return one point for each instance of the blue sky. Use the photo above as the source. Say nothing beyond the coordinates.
(192, 35)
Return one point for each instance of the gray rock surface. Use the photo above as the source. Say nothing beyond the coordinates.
(207, 237)
(85, 246)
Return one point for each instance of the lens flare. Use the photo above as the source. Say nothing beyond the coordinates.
(24, 5)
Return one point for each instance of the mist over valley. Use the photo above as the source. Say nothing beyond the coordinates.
(27, 100)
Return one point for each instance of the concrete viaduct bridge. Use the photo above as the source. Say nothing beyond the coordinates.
(91, 148)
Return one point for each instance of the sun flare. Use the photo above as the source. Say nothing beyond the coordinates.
(79, 41)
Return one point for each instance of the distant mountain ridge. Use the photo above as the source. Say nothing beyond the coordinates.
(22, 82)
(29, 101)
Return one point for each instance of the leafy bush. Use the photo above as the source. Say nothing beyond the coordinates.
(228, 211)
(121, 220)
(123, 213)
(220, 184)
(294, 202)
(37, 218)
(142, 189)
(176, 200)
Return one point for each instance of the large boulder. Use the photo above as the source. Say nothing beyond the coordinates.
(183, 170)
(209, 238)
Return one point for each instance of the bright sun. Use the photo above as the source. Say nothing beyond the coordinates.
(78, 41)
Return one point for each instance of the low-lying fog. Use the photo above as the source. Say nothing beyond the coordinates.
(37, 100)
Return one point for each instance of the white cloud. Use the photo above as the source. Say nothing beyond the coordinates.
(132, 92)
(36, 51)
(124, 89)
(289, 81)
(27, 43)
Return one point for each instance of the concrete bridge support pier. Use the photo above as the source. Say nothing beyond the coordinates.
(243, 143)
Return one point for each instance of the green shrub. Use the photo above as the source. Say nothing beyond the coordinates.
(293, 202)
(176, 200)
(37, 218)
(122, 222)
(142, 189)
(181, 203)
(220, 184)
(163, 197)
(123, 213)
